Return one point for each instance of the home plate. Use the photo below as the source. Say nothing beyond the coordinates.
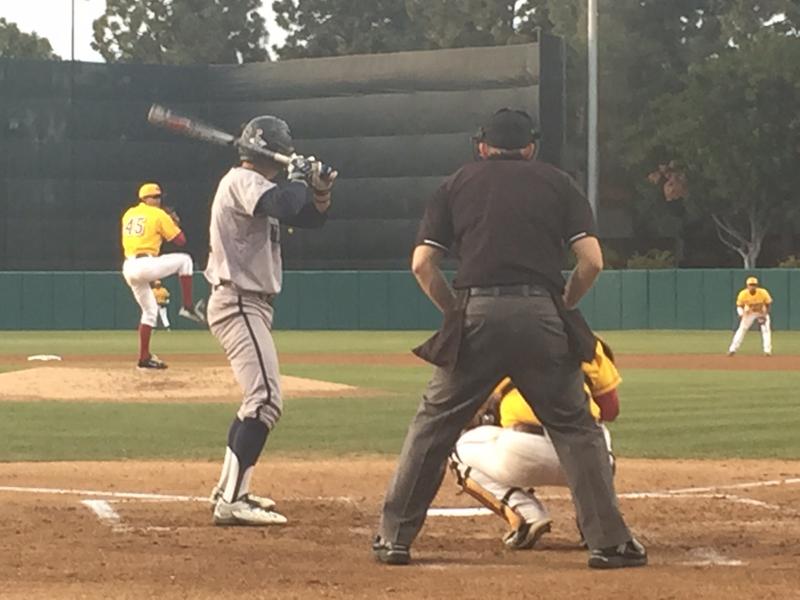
(708, 557)
(458, 512)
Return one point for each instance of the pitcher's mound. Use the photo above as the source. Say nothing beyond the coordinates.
(176, 384)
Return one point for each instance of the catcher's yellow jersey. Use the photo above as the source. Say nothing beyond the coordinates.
(144, 227)
(754, 303)
(161, 294)
(601, 377)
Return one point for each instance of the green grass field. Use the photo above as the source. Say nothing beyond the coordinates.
(665, 413)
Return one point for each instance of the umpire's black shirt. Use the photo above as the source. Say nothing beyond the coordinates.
(508, 220)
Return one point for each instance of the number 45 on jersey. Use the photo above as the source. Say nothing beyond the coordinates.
(135, 226)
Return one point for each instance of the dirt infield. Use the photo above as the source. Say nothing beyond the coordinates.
(717, 530)
(180, 383)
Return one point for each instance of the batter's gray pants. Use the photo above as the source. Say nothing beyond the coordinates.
(522, 337)
(242, 323)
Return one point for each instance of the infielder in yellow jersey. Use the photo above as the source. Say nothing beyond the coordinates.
(144, 228)
(753, 304)
(500, 462)
(162, 300)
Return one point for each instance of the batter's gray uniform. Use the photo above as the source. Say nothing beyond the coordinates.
(245, 273)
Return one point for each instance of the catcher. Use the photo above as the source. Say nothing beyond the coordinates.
(508, 452)
(753, 304)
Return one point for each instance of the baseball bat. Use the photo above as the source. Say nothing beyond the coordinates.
(164, 117)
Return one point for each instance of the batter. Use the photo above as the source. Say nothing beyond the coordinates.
(245, 273)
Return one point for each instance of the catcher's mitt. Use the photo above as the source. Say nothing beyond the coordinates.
(488, 413)
(171, 212)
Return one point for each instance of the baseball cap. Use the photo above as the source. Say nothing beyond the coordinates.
(149, 189)
(509, 129)
(751, 281)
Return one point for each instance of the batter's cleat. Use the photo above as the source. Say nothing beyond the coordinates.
(390, 553)
(196, 313)
(731, 352)
(265, 503)
(526, 535)
(245, 512)
(151, 363)
(629, 554)
(767, 353)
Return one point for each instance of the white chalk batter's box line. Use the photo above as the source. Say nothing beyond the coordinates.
(105, 512)
(102, 507)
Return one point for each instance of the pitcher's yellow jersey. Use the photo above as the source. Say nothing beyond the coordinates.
(601, 377)
(144, 227)
(754, 303)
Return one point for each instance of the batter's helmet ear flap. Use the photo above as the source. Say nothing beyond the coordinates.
(267, 132)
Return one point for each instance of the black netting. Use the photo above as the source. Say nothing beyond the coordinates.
(404, 112)
(75, 145)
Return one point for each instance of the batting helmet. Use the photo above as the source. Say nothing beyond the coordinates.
(267, 132)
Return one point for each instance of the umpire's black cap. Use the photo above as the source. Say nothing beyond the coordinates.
(509, 129)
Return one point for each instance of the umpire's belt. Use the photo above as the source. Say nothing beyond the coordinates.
(268, 298)
(525, 289)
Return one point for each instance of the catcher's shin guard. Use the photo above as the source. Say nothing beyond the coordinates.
(499, 506)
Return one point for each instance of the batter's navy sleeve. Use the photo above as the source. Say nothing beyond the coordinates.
(308, 217)
(436, 228)
(284, 201)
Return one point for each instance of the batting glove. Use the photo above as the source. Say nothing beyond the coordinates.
(322, 177)
(300, 169)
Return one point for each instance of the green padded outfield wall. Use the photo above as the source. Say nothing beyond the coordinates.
(75, 144)
(345, 300)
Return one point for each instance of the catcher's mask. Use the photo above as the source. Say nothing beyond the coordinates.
(267, 132)
(508, 129)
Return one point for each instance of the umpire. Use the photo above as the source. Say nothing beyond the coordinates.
(510, 219)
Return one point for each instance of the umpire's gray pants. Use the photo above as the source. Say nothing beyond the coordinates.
(522, 337)
(242, 323)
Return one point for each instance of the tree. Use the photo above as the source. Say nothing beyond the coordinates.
(646, 48)
(181, 31)
(339, 27)
(17, 44)
(461, 23)
(735, 128)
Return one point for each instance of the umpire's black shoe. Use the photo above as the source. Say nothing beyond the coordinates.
(390, 553)
(629, 554)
